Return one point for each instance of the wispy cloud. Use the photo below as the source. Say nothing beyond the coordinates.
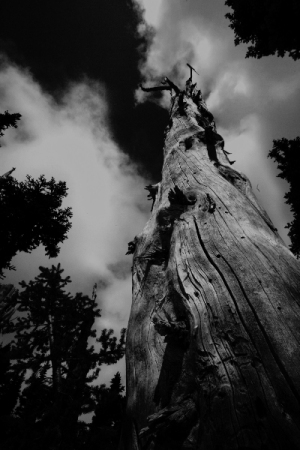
(72, 142)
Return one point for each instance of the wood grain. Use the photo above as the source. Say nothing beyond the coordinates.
(213, 354)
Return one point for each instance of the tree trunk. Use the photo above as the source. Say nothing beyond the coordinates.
(213, 338)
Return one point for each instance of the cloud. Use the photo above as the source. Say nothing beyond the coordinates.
(283, 90)
(152, 11)
(104, 41)
(253, 101)
(72, 142)
(235, 83)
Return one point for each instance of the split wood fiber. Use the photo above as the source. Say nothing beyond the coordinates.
(213, 341)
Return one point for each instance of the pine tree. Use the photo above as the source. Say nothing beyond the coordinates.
(53, 330)
(271, 27)
(213, 337)
(105, 429)
(10, 387)
(8, 120)
(287, 155)
(31, 215)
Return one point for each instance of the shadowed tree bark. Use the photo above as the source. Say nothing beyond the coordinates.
(213, 338)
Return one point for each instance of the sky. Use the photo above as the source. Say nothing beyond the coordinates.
(73, 69)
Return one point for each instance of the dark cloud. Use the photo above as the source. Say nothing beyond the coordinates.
(62, 41)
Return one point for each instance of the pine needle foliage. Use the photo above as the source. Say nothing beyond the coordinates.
(53, 334)
(286, 152)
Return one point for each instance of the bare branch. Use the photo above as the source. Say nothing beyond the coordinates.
(156, 88)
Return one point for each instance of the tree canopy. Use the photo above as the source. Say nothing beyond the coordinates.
(8, 120)
(31, 215)
(271, 27)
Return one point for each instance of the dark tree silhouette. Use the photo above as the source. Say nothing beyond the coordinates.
(10, 387)
(287, 155)
(109, 407)
(8, 120)
(271, 27)
(52, 343)
(31, 215)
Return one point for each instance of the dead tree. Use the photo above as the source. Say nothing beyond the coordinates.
(213, 354)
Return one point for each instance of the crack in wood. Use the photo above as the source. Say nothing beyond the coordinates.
(262, 329)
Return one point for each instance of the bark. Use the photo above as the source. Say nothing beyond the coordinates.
(213, 337)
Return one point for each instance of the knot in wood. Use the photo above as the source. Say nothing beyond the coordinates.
(177, 196)
(211, 204)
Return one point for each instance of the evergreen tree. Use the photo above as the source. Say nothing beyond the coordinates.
(10, 387)
(10, 379)
(53, 330)
(31, 215)
(105, 429)
(287, 155)
(8, 120)
(271, 27)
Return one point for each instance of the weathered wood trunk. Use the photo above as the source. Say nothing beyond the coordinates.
(213, 354)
